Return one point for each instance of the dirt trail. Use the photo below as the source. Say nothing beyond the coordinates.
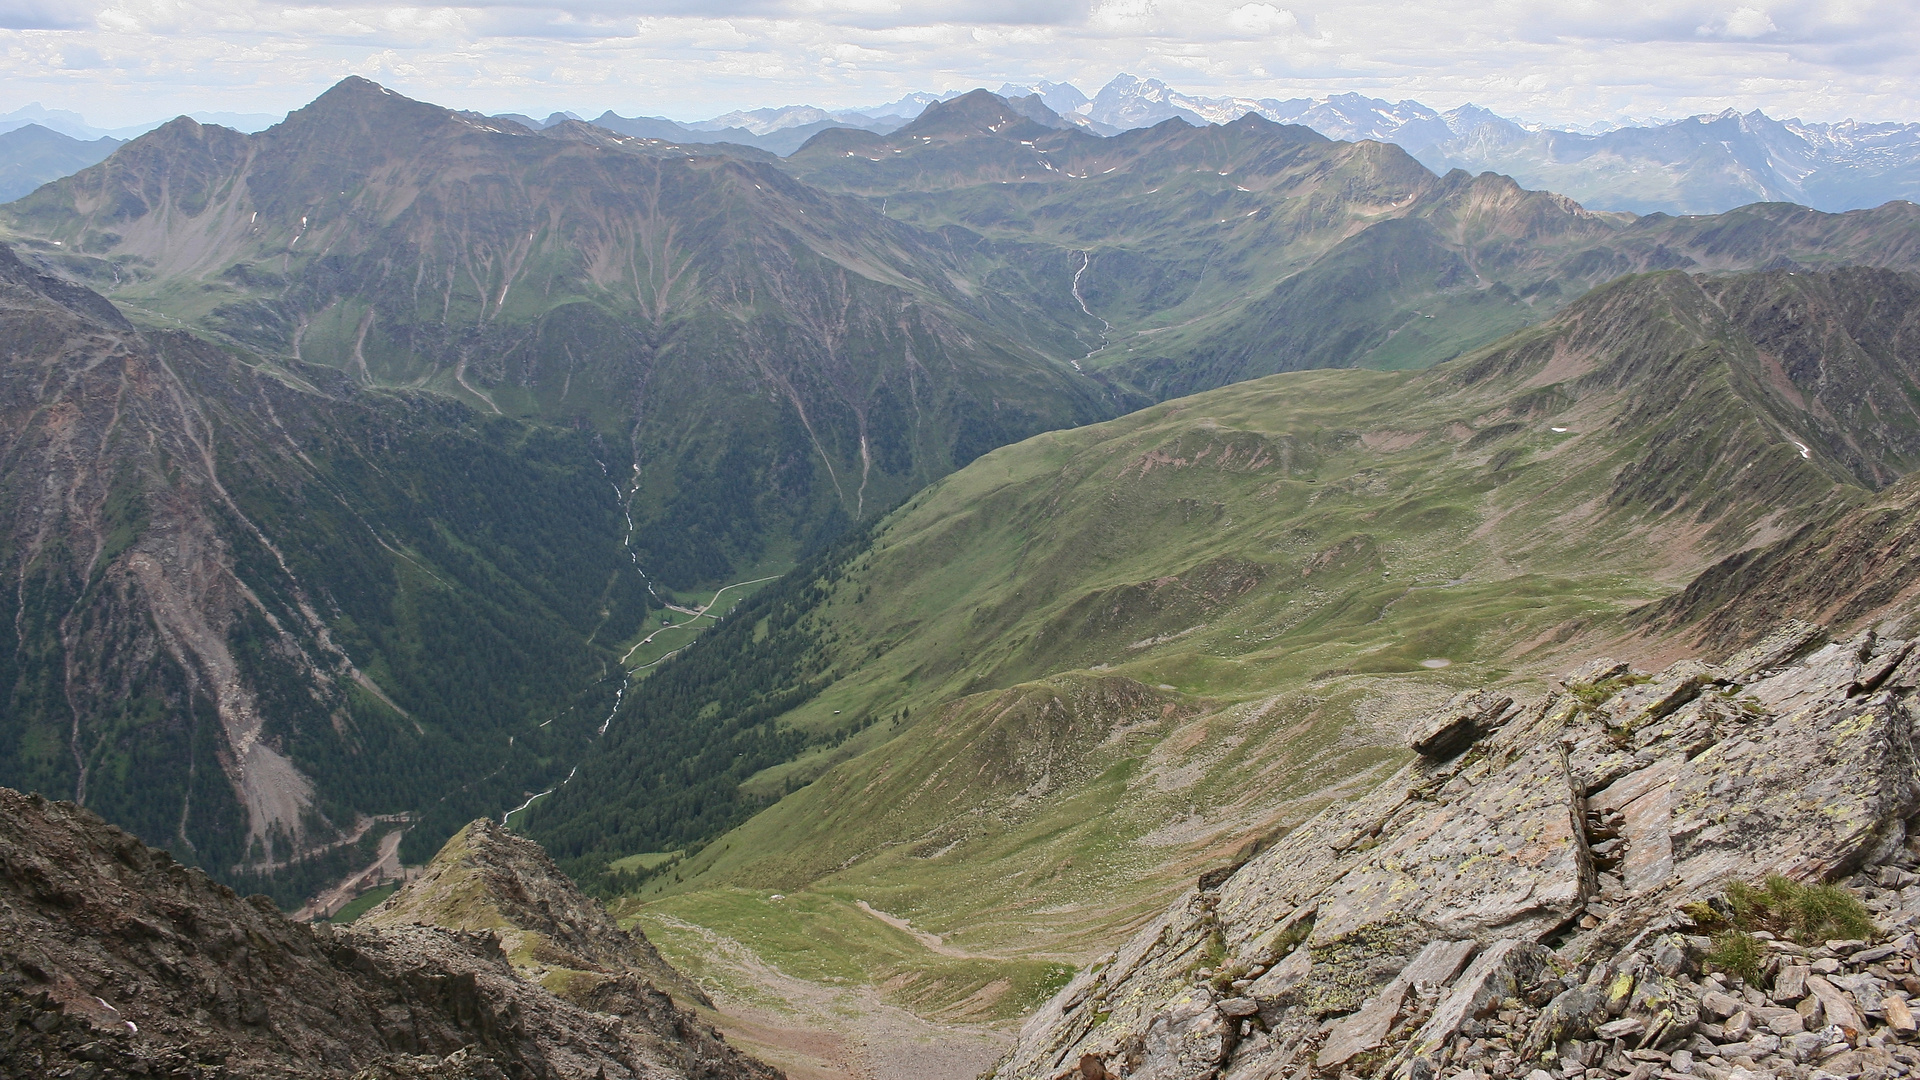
(817, 1032)
(695, 612)
(932, 941)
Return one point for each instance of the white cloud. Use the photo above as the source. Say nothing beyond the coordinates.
(1262, 19)
(1124, 16)
(1560, 60)
(1742, 22)
(44, 15)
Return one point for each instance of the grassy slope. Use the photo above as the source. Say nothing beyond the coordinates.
(1105, 659)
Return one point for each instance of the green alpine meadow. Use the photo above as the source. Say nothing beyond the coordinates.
(1023, 585)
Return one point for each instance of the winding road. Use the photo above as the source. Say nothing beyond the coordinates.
(695, 612)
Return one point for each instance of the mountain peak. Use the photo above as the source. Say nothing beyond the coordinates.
(355, 85)
(980, 112)
(356, 99)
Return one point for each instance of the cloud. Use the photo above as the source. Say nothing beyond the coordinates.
(1262, 20)
(1124, 16)
(44, 15)
(1555, 60)
(1744, 22)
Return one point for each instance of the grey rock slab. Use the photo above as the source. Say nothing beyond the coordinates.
(1617, 795)
(1645, 799)
(1238, 1008)
(1494, 975)
(1449, 731)
(1803, 795)
(1435, 965)
(1639, 705)
(1836, 1003)
(1779, 648)
(1790, 984)
(1186, 1040)
(1508, 857)
(1595, 670)
(1573, 1014)
(1824, 675)
(1718, 1005)
(1624, 1028)
(1282, 977)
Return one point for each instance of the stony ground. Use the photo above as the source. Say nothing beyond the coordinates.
(1620, 879)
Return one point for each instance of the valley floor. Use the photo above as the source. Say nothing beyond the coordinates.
(816, 1030)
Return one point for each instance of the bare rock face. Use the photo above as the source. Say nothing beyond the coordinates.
(1515, 902)
(486, 878)
(117, 961)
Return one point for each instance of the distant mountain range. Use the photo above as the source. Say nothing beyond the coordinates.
(33, 155)
(75, 126)
(1699, 165)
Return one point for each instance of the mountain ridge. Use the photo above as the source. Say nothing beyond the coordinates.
(118, 957)
(681, 264)
(1225, 252)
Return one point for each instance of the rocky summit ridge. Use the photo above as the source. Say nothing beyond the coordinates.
(117, 961)
(1564, 887)
(488, 879)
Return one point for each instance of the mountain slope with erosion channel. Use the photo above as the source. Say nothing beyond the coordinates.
(257, 614)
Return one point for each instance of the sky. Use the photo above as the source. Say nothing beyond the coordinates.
(122, 62)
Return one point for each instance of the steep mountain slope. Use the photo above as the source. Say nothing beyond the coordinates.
(1101, 660)
(775, 359)
(117, 961)
(253, 613)
(1845, 570)
(1227, 252)
(32, 155)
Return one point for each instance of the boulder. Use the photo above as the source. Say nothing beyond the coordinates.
(1187, 1039)
(1573, 1014)
(1447, 733)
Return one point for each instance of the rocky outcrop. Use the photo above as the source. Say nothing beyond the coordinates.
(117, 961)
(486, 878)
(1544, 895)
